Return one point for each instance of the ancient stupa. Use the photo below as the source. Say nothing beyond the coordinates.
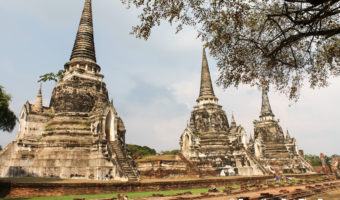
(209, 142)
(277, 153)
(80, 134)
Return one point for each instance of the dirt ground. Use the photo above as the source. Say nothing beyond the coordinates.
(333, 195)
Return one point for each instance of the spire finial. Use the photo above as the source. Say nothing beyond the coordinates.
(83, 49)
(287, 135)
(233, 122)
(38, 101)
(266, 110)
(206, 89)
(251, 138)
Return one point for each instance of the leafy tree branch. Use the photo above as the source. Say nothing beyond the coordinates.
(286, 42)
(58, 77)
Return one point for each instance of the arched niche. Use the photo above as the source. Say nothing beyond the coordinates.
(109, 127)
(22, 123)
(186, 143)
(258, 151)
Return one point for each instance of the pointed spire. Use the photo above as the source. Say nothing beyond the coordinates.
(206, 85)
(251, 140)
(288, 135)
(83, 49)
(38, 101)
(265, 109)
(233, 122)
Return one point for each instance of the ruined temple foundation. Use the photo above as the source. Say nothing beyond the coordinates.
(80, 134)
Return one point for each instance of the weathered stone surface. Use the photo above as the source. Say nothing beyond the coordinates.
(80, 135)
(79, 95)
(275, 152)
(335, 164)
(208, 141)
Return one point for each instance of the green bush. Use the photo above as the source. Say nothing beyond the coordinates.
(137, 150)
(172, 152)
(313, 159)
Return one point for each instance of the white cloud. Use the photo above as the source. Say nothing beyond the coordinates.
(186, 91)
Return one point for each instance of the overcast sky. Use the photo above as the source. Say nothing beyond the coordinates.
(154, 84)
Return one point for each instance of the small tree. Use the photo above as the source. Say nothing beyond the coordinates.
(0, 148)
(7, 117)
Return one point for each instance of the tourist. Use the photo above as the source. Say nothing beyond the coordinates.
(277, 178)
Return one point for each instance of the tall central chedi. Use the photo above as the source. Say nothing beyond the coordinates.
(209, 142)
(80, 134)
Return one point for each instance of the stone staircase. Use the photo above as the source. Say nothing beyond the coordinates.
(276, 151)
(214, 142)
(192, 169)
(214, 139)
(257, 163)
(125, 163)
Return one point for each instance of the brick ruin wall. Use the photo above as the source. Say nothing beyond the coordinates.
(26, 190)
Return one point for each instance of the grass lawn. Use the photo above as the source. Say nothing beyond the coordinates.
(129, 194)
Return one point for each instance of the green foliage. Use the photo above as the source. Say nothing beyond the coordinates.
(287, 42)
(316, 160)
(172, 152)
(313, 159)
(52, 77)
(137, 150)
(328, 160)
(197, 134)
(0, 148)
(47, 126)
(235, 186)
(7, 117)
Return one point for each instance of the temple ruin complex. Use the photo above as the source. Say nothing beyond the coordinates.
(80, 134)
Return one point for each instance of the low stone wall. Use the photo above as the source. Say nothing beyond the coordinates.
(25, 190)
(161, 168)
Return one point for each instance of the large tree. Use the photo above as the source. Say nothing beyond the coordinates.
(7, 117)
(285, 42)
